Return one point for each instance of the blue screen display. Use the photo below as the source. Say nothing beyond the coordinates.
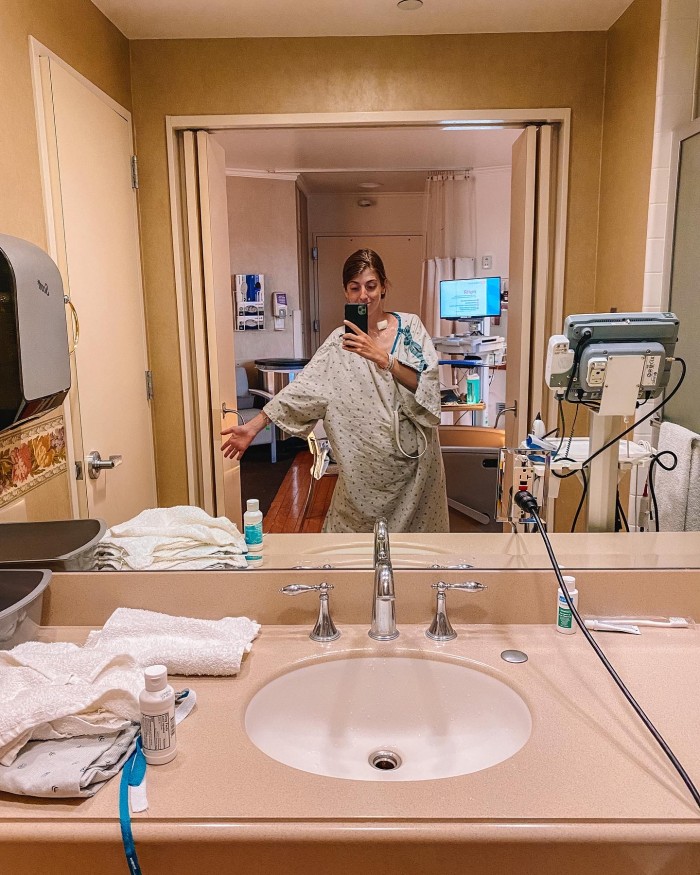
(470, 299)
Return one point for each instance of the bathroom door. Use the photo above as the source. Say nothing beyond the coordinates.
(530, 281)
(94, 220)
(212, 336)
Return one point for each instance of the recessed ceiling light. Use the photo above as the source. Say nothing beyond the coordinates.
(410, 4)
(370, 185)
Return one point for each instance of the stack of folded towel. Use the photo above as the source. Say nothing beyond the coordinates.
(69, 715)
(183, 538)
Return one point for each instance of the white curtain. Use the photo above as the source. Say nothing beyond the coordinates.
(450, 241)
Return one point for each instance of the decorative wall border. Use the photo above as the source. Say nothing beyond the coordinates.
(30, 457)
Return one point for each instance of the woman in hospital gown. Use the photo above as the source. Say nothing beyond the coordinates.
(379, 399)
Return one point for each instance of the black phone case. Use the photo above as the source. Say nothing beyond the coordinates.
(357, 314)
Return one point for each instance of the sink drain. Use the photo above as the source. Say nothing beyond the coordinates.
(384, 760)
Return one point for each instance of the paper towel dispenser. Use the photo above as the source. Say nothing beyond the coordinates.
(34, 357)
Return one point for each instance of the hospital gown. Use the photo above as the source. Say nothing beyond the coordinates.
(356, 401)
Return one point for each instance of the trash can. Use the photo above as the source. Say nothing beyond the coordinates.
(275, 374)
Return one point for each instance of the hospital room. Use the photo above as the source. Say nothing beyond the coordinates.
(349, 437)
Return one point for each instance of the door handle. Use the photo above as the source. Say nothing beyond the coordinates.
(96, 464)
(225, 410)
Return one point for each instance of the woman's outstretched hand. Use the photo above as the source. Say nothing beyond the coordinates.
(363, 345)
(240, 438)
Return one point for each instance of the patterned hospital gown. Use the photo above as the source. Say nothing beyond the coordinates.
(356, 401)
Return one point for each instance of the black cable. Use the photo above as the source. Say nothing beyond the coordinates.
(527, 502)
(620, 513)
(634, 424)
(583, 498)
(650, 478)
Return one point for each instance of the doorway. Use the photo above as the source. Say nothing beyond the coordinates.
(545, 245)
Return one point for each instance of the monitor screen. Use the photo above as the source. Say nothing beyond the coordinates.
(470, 299)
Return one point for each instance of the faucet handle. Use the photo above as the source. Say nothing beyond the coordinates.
(325, 629)
(441, 628)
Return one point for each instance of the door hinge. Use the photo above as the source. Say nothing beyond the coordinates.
(314, 253)
(134, 172)
(316, 325)
(149, 385)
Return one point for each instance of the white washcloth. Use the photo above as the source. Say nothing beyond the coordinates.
(138, 555)
(186, 646)
(52, 691)
(158, 537)
(672, 487)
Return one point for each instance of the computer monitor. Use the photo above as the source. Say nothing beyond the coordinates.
(469, 300)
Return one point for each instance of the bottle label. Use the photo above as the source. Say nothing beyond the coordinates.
(157, 733)
(254, 534)
(564, 617)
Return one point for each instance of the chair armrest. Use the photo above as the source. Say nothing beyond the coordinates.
(261, 394)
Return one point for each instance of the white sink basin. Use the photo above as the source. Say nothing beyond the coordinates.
(404, 554)
(359, 548)
(438, 719)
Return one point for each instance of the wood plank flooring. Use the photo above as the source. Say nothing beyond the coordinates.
(285, 514)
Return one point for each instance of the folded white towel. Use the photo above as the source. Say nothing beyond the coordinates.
(167, 524)
(186, 646)
(52, 691)
(139, 556)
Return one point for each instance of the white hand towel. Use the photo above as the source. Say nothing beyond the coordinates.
(185, 645)
(672, 486)
(52, 691)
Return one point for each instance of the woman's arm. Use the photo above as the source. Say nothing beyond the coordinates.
(241, 436)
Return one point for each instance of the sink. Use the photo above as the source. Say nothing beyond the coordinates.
(388, 719)
(404, 554)
(60, 545)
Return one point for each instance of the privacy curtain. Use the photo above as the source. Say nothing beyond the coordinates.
(450, 241)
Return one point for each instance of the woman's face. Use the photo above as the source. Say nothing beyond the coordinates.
(365, 288)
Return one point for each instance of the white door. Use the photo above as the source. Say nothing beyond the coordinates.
(530, 279)
(213, 358)
(403, 261)
(94, 212)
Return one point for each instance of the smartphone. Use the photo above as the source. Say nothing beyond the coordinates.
(357, 314)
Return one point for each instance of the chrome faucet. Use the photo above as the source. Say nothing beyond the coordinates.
(384, 598)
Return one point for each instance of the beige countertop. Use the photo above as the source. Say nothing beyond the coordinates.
(589, 764)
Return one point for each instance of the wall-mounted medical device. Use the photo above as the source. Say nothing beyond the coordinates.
(601, 357)
(279, 309)
(34, 357)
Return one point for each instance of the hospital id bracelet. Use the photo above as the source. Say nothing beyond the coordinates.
(390, 363)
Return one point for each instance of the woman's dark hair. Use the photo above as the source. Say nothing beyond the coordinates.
(361, 260)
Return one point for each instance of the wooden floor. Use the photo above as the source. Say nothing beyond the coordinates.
(285, 514)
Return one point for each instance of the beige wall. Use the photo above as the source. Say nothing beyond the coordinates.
(628, 133)
(263, 239)
(174, 77)
(79, 34)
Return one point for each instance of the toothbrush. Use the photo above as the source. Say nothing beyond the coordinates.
(662, 623)
(606, 626)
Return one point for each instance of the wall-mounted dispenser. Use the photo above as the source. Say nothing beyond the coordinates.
(34, 358)
(279, 309)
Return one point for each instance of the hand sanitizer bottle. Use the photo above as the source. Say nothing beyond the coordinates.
(157, 702)
(565, 619)
(253, 530)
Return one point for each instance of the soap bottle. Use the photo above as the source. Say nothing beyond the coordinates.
(157, 702)
(539, 429)
(565, 619)
(253, 529)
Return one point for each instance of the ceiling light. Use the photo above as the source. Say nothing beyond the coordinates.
(370, 185)
(410, 4)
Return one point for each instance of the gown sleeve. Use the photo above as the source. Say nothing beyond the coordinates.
(299, 406)
(415, 349)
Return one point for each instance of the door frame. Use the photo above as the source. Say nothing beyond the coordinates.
(48, 170)
(452, 118)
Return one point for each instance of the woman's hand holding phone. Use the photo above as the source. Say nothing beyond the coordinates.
(355, 340)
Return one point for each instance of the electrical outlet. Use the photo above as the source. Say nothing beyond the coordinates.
(595, 375)
(486, 262)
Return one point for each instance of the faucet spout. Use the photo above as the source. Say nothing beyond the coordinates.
(384, 597)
